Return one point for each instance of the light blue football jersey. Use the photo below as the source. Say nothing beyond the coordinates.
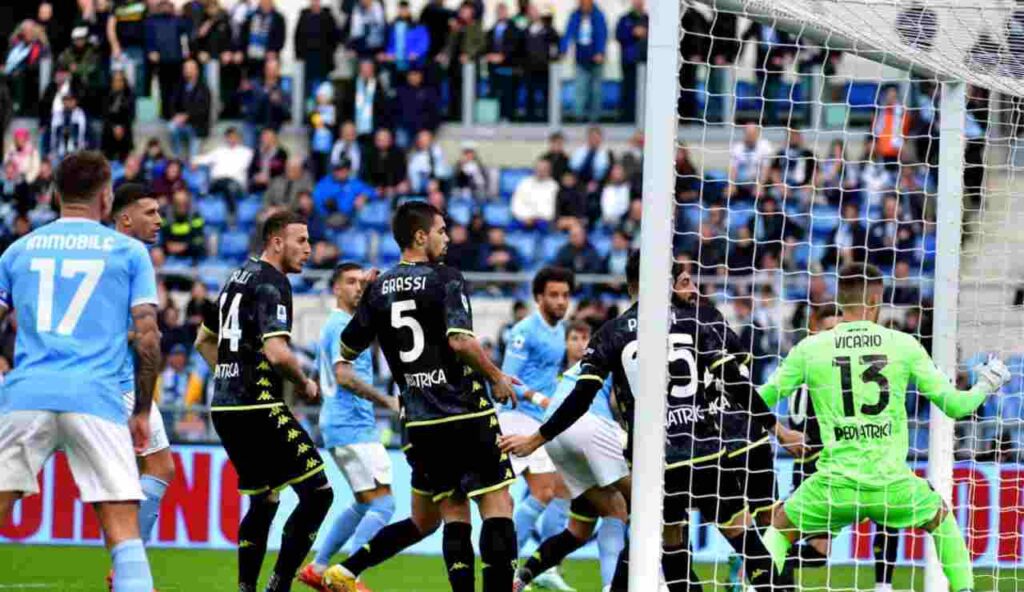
(344, 417)
(601, 406)
(72, 285)
(534, 353)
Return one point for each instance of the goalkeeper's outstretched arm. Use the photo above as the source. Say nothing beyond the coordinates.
(937, 387)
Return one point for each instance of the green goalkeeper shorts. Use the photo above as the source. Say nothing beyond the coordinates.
(819, 507)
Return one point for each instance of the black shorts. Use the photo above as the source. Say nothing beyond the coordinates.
(709, 487)
(803, 469)
(755, 470)
(268, 448)
(458, 458)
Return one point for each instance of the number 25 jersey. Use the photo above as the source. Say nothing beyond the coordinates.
(412, 309)
(254, 305)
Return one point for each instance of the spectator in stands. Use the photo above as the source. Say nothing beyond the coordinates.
(368, 29)
(82, 60)
(323, 123)
(832, 177)
(182, 233)
(67, 128)
(618, 254)
(893, 237)
(426, 163)
(694, 53)
(262, 38)
(461, 249)
(466, 43)
(556, 155)
(191, 113)
(57, 30)
(24, 155)
(890, 127)
(723, 52)
(118, 119)
(739, 255)
(631, 33)
(229, 167)
(535, 197)
(45, 210)
(417, 107)
(794, 166)
(471, 174)
(347, 147)
(748, 160)
(126, 33)
(503, 57)
(384, 167)
(578, 254)
(540, 48)
(169, 182)
(592, 161)
(775, 49)
(153, 159)
(53, 101)
(324, 254)
(177, 387)
(768, 227)
(848, 242)
(752, 336)
(632, 159)
(166, 32)
(571, 202)
(14, 189)
(615, 196)
(631, 223)
(269, 104)
(268, 162)
(28, 46)
(284, 191)
(497, 255)
(903, 290)
(408, 43)
(316, 38)
(215, 41)
(338, 197)
(132, 171)
(913, 196)
(587, 31)
(368, 103)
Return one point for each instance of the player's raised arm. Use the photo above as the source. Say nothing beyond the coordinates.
(937, 387)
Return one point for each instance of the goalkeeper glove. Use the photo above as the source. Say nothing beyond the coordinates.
(991, 375)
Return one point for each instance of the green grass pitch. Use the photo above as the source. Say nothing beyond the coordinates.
(84, 569)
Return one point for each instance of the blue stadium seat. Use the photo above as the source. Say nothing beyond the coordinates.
(602, 242)
(388, 252)
(198, 180)
(214, 270)
(525, 243)
(354, 245)
(247, 210)
(508, 180)
(550, 245)
(116, 170)
(214, 211)
(460, 210)
(375, 215)
(234, 245)
(497, 214)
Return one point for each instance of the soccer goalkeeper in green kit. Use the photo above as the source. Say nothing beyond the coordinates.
(857, 375)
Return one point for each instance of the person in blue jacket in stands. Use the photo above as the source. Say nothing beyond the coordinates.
(588, 31)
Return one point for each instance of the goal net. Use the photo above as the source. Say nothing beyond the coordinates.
(812, 133)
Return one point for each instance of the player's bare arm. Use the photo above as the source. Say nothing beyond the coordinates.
(471, 352)
(147, 368)
(348, 380)
(206, 345)
(281, 357)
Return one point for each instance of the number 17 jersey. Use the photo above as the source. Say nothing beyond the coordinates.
(412, 310)
(254, 305)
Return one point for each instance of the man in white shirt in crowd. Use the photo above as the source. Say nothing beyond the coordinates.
(229, 166)
(533, 201)
(748, 160)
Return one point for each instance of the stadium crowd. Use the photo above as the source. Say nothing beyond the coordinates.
(763, 232)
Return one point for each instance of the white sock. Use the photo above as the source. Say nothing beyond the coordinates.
(883, 587)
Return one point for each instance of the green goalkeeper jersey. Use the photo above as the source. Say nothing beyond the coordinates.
(857, 375)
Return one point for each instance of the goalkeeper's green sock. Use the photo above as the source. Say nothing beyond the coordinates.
(778, 546)
(953, 554)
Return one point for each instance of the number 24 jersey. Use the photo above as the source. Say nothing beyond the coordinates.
(254, 305)
(412, 310)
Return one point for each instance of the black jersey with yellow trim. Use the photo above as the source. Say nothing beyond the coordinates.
(412, 310)
(254, 305)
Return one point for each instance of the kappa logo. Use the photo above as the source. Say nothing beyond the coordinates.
(311, 463)
(303, 449)
(457, 566)
(293, 433)
(282, 420)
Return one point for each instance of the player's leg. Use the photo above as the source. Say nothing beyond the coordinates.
(27, 439)
(498, 550)
(457, 543)
(677, 559)
(253, 532)
(539, 484)
(814, 551)
(886, 549)
(315, 499)
(157, 467)
(554, 518)
(103, 464)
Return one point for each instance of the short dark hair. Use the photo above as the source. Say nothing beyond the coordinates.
(578, 326)
(343, 268)
(854, 280)
(553, 275)
(128, 194)
(633, 269)
(823, 311)
(82, 176)
(277, 222)
(410, 218)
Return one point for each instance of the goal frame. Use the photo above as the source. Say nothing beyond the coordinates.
(661, 130)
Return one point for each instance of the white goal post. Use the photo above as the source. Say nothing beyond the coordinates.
(950, 42)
